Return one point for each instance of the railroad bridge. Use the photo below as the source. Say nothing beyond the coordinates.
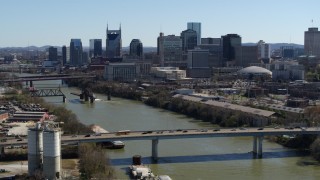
(46, 92)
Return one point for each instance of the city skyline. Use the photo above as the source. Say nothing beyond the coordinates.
(40, 23)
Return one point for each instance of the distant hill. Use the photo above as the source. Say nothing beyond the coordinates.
(277, 45)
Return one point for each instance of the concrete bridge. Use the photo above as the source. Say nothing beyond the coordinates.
(155, 136)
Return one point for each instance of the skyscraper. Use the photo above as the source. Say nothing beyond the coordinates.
(263, 50)
(53, 54)
(136, 48)
(229, 44)
(113, 43)
(196, 26)
(64, 55)
(95, 48)
(76, 52)
(198, 63)
(189, 39)
(209, 40)
(170, 50)
(312, 42)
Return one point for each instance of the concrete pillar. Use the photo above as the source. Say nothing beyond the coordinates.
(155, 149)
(254, 150)
(64, 99)
(31, 84)
(260, 139)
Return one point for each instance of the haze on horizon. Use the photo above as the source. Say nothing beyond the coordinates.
(44, 22)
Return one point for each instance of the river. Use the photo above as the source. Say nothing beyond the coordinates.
(201, 159)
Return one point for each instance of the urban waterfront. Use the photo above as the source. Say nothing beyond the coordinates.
(212, 158)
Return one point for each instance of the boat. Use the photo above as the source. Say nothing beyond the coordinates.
(112, 144)
(140, 171)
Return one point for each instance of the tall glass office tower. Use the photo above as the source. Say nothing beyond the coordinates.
(196, 26)
(76, 52)
(95, 48)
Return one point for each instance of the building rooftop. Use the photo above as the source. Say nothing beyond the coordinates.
(254, 70)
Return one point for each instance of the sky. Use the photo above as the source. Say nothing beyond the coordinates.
(55, 22)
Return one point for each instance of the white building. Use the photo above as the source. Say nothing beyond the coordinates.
(286, 70)
(263, 50)
(172, 73)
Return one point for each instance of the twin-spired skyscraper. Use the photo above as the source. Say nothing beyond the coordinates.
(113, 43)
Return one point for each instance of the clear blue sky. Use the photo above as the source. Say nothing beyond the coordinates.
(55, 22)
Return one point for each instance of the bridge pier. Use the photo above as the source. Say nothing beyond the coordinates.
(257, 146)
(155, 149)
(260, 139)
(255, 149)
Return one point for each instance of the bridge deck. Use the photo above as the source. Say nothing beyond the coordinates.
(31, 78)
(174, 134)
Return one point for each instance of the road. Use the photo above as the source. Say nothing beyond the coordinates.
(172, 134)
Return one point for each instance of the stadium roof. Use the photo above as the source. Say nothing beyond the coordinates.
(255, 70)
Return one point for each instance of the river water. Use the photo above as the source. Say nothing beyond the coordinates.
(204, 158)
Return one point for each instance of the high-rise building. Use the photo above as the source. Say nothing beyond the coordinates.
(95, 48)
(209, 40)
(229, 43)
(64, 55)
(113, 43)
(136, 49)
(85, 58)
(312, 42)
(198, 58)
(53, 54)
(246, 56)
(189, 39)
(170, 50)
(196, 26)
(122, 72)
(287, 51)
(198, 63)
(263, 50)
(76, 52)
(68, 55)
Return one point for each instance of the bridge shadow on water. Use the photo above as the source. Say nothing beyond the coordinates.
(212, 158)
